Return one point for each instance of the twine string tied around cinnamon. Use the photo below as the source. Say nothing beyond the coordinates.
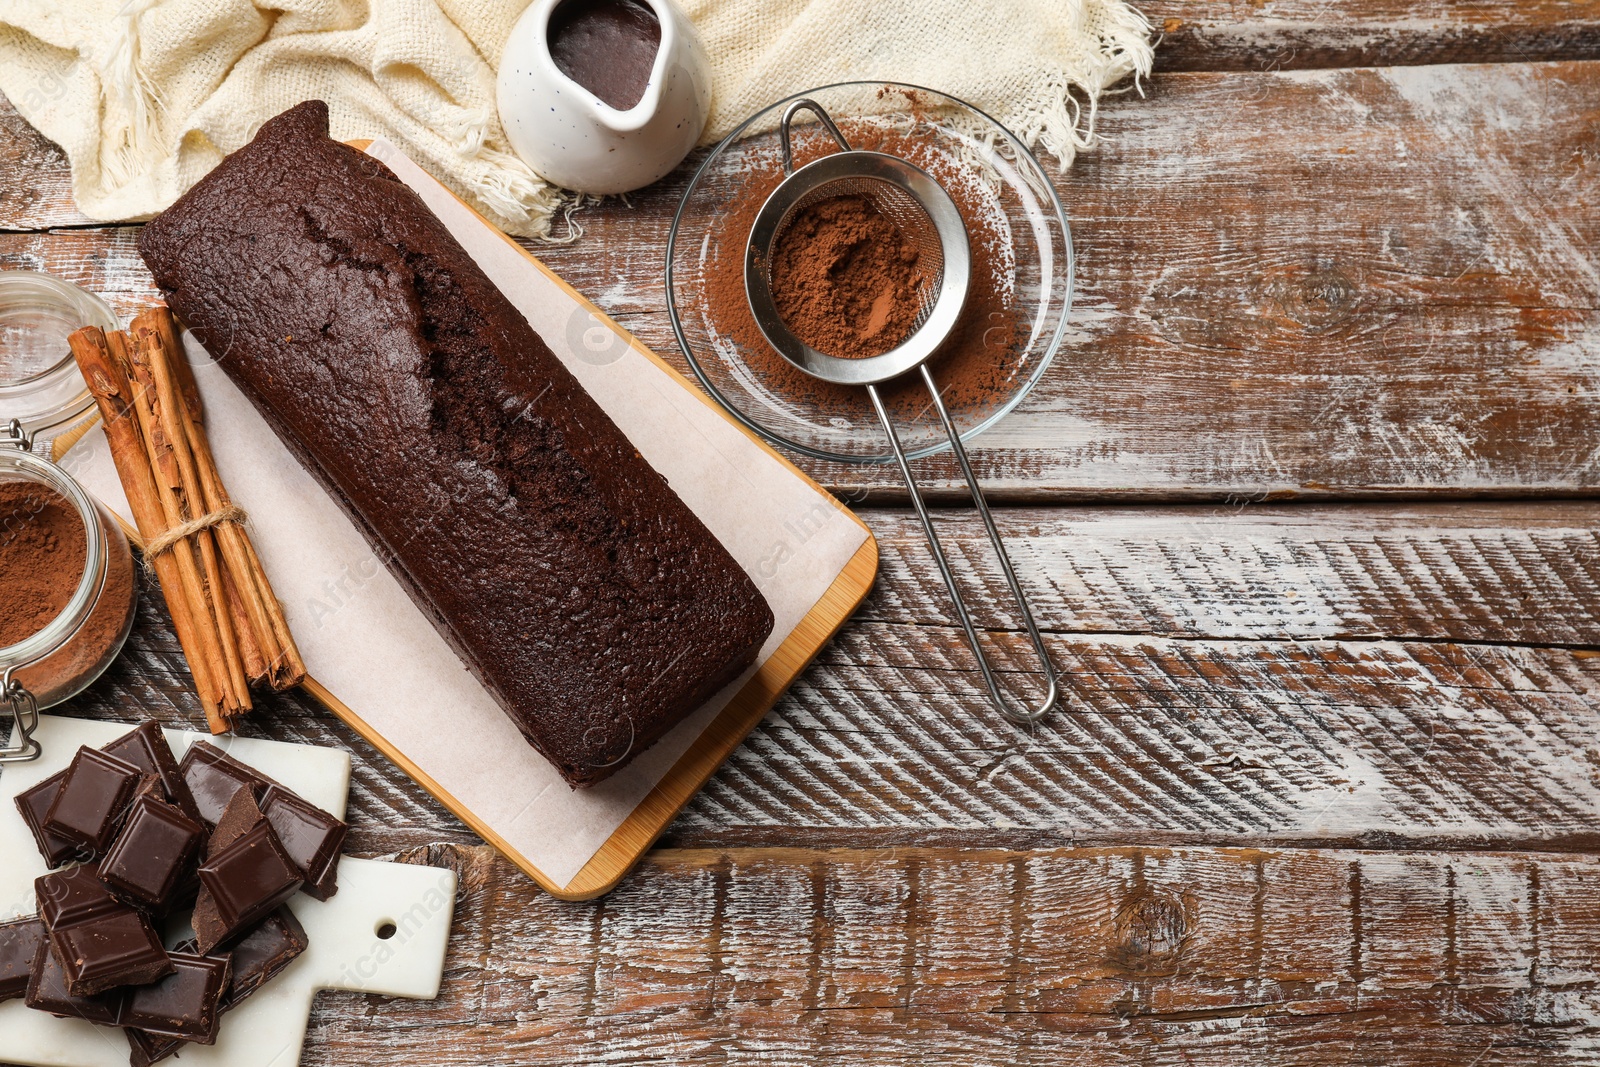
(162, 543)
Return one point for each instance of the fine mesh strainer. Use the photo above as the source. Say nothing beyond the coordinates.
(930, 221)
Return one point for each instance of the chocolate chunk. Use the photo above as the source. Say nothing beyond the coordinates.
(238, 818)
(153, 853)
(34, 804)
(109, 951)
(187, 1004)
(19, 944)
(147, 1048)
(47, 991)
(214, 777)
(94, 795)
(311, 837)
(264, 952)
(73, 896)
(147, 749)
(241, 885)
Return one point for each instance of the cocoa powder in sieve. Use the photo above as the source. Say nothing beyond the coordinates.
(976, 368)
(845, 280)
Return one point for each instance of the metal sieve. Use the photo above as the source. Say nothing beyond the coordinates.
(929, 219)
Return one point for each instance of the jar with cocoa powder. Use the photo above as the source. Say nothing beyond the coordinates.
(67, 588)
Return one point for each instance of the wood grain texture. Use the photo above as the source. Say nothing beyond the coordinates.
(978, 957)
(1313, 283)
(1346, 675)
(1396, 677)
(1293, 281)
(35, 182)
(1324, 283)
(1300, 34)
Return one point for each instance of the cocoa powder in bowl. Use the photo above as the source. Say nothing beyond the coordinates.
(43, 552)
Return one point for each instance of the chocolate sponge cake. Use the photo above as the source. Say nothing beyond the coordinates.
(589, 600)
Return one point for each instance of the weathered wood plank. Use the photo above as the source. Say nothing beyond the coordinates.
(1343, 675)
(1196, 35)
(1499, 573)
(1315, 283)
(1299, 34)
(1346, 283)
(1385, 743)
(973, 957)
(35, 182)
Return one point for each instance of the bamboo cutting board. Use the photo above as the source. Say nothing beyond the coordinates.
(437, 726)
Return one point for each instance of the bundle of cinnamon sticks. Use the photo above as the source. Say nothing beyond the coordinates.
(230, 624)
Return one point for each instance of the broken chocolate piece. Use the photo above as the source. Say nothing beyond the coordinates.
(47, 991)
(94, 795)
(187, 1004)
(214, 777)
(34, 804)
(238, 818)
(146, 1049)
(109, 951)
(147, 864)
(241, 885)
(147, 749)
(264, 952)
(312, 837)
(73, 896)
(19, 944)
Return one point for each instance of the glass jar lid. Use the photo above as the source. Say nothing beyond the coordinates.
(40, 384)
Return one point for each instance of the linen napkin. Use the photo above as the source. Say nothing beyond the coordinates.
(146, 96)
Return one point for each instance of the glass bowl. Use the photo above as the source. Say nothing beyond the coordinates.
(40, 384)
(1016, 311)
(65, 654)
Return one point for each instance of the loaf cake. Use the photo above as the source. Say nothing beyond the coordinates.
(584, 595)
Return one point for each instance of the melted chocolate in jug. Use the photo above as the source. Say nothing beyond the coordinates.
(606, 46)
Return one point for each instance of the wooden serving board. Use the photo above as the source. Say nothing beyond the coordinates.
(575, 847)
(633, 838)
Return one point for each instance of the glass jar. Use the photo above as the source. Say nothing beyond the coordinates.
(70, 651)
(40, 385)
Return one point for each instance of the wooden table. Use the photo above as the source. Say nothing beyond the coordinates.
(1308, 508)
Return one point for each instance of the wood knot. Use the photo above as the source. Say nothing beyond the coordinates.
(1316, 300)
(472, 863)
(1152, 928)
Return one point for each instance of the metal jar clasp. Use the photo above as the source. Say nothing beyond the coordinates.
(16, 701)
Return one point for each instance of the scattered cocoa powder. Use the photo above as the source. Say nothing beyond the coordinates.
(42, 552)
(845, 280)
(978, 366)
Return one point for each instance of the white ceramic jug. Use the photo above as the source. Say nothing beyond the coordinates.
(571, 137)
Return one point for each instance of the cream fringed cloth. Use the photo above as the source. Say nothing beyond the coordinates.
(146, 96)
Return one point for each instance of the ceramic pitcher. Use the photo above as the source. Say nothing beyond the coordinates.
(571, 137)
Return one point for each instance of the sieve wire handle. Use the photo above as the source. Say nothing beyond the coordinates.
(1025, 717)
(788, 118)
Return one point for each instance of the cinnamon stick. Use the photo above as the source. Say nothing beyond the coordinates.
(232, 627)
(104, 368)
(219, 702)
(255, 663)
(249, 590)
(169, 445)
